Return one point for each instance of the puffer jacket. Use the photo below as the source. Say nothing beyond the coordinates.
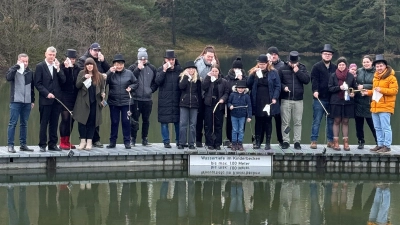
(190, 93)
(117, 83)
(146, 80)
(274, 86)
(223, 91)
(241, 103)
(389, 88)
(168, 94)
(363, 103)
(294, 81)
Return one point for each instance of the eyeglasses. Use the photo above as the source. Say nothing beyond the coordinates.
(327, 54)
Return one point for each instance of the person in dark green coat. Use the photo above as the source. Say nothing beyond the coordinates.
(88, 105)
(365, 75)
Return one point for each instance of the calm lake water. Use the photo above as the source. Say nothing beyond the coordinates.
(155, 133)
(202, 201)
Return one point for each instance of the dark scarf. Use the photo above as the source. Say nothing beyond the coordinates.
(341, 76)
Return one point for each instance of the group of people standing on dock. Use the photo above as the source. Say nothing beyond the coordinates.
(195, 98)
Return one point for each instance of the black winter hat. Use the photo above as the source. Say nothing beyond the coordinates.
(273, 49)
(342, 59)
(237, 63)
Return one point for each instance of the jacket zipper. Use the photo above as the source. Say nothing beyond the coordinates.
(190, 95)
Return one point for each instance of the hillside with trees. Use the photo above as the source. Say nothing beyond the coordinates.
(351, 26)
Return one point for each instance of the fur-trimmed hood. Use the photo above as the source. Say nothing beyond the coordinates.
(246, 90)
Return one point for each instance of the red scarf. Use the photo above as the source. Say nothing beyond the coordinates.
(341, 76)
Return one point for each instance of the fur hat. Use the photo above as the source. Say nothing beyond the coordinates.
(237, 63)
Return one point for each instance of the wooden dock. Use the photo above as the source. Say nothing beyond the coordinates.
(157, 155)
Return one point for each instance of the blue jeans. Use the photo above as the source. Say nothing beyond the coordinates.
(380, 207)
(237, 129)
(318, 112)
(117, 113)
(382, 128)
(21, 110)
(165, 132)
(188, 119)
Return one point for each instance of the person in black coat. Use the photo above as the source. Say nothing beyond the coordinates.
(167, 79)
(189, 104)
(235, 74)
(342, 106)
(121, 83)
(265, 87)
(216, 95)
(69, 93)
(48, 78)
(294, 76)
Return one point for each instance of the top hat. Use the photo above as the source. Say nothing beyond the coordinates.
(293, 57)
(379, 58)
(241, 84)
(169, 54)
(262, 58)
(327, 48)
(190, 64)
(71, 53)
(118, 58)
(95, 46)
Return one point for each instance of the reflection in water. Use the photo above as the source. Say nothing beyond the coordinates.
(201, 202)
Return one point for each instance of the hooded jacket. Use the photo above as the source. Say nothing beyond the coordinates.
(168, 94)
(146, 81)
(241, 103)
(190, 93)
(389, 88)
(294, 81)
(22, 85)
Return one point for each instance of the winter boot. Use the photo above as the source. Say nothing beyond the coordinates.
(361, 144)
(346, 146)
(63, 143)
(88, 144)
(268, 143)
(69, 143)
(240, 146)
(82, 145)
(234, 146)
(336, 144)
(257, 145)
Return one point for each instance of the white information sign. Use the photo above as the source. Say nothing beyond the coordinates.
(230, 165)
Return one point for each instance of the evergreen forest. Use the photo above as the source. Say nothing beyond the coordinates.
(351, 26)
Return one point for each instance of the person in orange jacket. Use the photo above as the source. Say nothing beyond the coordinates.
(384, 91)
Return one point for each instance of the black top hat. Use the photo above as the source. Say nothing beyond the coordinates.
(190, 64)
(241, 84)
(118, 58)
(71, 53)
(293, 57)
(170, 54)
(379, 58)
(327, 48)
(262, 58)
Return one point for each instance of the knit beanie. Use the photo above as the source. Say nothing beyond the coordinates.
(353, 65)
(340, 60)
(142, 53)
(237, 63)
(273, 49)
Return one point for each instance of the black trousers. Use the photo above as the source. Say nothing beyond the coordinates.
(263, 126)
(200, 122)
(144, 108)
(360, 128)
(278, 128)
(86, 131)
(49, 115)
(213, 123)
